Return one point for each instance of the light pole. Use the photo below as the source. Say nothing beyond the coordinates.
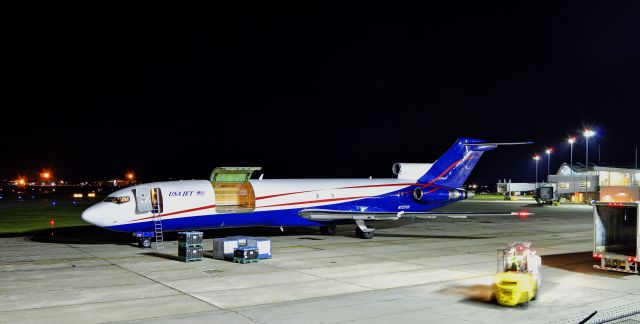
(548, 152)
(587, 133)
(536, 158)
(572, 140)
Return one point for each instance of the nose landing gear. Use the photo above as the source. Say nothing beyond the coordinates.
(144, 239)
(144, 243)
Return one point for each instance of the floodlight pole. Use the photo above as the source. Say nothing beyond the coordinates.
(586, 171)
(573, 182)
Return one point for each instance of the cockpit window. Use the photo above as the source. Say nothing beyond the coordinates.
(117, 200)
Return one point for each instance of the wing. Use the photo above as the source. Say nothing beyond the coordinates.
(334, 215)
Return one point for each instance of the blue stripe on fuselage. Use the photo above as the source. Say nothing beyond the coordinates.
(388, 202)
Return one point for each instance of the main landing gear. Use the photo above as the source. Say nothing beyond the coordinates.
(362, 231)
(328, 230)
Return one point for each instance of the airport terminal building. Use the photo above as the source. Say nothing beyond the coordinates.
(603, 183)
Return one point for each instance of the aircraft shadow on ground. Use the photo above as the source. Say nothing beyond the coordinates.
(95, 235)
(163, 256)
(81, 235)
(580, 262)
(462, 237)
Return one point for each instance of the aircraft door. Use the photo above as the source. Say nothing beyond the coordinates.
(156, 201)
(148, 200)
(143, 200)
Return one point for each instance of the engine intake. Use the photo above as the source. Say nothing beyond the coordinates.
(420, 194)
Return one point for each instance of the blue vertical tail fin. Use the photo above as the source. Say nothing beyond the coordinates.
(454, 167)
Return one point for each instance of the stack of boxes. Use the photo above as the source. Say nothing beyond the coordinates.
(245, 254)
(224, 248)
(190, 246)
(262, 244)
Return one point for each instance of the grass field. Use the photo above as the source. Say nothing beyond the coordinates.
(26, 217)
(497, 197)
(488, 197)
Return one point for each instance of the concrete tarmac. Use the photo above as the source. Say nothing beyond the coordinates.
(437, 270)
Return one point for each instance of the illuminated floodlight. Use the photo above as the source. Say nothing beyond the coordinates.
(571, 140)
(589, 133)
(536, 157)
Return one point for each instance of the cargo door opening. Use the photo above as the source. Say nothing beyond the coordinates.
(233, 191)
(616, 229)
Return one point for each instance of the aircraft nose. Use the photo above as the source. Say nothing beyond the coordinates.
(91, 215)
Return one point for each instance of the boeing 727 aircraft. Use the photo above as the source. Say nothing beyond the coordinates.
(230, 199)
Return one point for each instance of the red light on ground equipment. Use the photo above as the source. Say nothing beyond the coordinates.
(631, 259)
(523, 214)
(52, 222)
(615, 204)
(597, 255)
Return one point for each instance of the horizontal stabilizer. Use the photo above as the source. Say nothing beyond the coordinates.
(496, 144)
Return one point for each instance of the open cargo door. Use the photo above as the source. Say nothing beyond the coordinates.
(234, 193)
(616, 228)
(616, 236)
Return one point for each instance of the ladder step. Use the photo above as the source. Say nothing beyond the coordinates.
(157, 224)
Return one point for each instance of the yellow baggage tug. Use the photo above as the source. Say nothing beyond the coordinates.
(518, 279)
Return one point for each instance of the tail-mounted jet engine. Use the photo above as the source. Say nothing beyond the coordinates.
(420, 194)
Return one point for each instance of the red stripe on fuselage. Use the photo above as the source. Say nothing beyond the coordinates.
(353, 187)
(283, 194)
(313, 201)
(177, 212)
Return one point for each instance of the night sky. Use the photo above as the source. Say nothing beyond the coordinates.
(308, 93)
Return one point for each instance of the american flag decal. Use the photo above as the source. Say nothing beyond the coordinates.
(200, 193)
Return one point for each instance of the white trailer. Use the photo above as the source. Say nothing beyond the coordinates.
(615, 236)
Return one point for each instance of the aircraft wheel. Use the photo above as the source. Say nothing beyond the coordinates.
(328, 230)
(364, 235)
(144, 243)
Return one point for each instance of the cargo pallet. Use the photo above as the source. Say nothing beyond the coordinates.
(186, 259)
(243, 260)
(184, 244)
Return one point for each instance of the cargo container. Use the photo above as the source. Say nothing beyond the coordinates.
(190, 239)
(615, 236)
(188, 254)
(242, 240)
(245, 254)
(263, 245)
(223, 248)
